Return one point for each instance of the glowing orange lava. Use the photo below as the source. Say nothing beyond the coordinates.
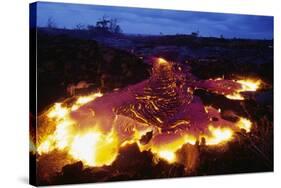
(96, 147)
(246, 85)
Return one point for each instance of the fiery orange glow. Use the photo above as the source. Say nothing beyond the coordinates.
(58, 140)
(162, 61)
(82, 147)
(235, 96)
(168, 156)
(65, 137)
(244, 123)
(32, 147)
(246, 85)
(219, 135)
(57, 111)
(167, 150)
(249, 85)
(85, 99)
(96, 147)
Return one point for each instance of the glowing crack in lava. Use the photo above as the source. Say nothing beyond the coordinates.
(93, 128)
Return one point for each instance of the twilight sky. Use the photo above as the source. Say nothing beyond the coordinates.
(154, 21)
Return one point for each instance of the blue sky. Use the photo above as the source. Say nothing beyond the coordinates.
(154, 21)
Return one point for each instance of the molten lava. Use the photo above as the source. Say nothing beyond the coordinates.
(93, 128)
(246, 85)
(94, 148)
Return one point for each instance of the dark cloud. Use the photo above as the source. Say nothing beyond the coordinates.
(154, 21)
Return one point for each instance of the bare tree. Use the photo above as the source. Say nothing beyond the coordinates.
(51, 23)
(80, 26)
(103, 23)
(108, 25)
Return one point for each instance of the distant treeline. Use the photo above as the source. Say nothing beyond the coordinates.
(103, 25)
(199, 42)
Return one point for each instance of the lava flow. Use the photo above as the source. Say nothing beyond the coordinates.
(93, 128)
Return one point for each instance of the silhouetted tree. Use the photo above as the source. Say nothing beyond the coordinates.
(106, 25)
(103, 24)
(51, 23)
(80, 26)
